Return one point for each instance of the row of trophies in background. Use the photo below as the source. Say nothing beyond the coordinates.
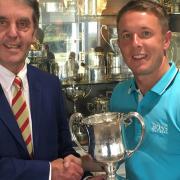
(172, 6)
(99, 68)
(96, 65)
(97, 7)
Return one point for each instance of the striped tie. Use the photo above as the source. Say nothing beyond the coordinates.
(20, 111)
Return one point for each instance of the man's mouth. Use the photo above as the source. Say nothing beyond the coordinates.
(12, 46)
(140, 56)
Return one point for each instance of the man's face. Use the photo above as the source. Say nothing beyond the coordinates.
(16, 32)
(142, 42)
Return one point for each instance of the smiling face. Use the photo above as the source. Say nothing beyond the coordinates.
(17, 32)
(143, 43)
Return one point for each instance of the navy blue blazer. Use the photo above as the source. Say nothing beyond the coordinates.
(51, 137)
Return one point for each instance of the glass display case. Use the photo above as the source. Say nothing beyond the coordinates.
(87, 28)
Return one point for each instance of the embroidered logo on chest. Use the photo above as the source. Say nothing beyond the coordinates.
(159, 128)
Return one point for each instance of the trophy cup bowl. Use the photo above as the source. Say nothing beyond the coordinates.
(105, 134)
(74, 92)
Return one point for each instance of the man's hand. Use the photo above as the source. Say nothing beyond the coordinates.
(90, 165)
(68, 168)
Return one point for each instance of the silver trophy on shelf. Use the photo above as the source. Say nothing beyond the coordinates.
(105, 138)
(116, 67)
(74, 93)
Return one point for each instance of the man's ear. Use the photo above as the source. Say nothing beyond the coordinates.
(34, 40)
(167, 40)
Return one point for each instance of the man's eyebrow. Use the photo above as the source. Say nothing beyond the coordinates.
(2, 17)
(24, 19)
(124, 31)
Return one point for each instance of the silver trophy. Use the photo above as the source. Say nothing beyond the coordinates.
(74, 93)
(106, 141)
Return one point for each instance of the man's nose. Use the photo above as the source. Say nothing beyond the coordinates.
(12, 30)
(137, 41)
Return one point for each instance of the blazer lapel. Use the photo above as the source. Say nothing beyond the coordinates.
(35, 105)
(6, 115)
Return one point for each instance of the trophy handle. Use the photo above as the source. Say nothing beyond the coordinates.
(86, 94)
(90, 107)
(101, 32)
(141, 121)
(75, 117)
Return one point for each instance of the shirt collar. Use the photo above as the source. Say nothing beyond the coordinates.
(132, 86)
(166, 80)
(162, 84)
(7, 77)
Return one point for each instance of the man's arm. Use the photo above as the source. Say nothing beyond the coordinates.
(13, 169)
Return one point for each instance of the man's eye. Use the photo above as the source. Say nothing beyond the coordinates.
(23, 25)
(126, 36)
(146, 34)
(3, 22)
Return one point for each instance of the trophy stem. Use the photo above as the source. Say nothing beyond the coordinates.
(110, 170)
(74, 106)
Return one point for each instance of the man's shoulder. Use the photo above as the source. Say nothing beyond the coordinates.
(121, 89)
(123, 84)
(38, 74)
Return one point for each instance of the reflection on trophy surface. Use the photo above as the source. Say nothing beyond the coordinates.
(106, 139)
(108, 143)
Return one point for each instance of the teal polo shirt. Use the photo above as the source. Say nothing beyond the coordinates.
(158, 157)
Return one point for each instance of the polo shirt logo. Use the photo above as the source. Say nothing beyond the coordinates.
(157, 127)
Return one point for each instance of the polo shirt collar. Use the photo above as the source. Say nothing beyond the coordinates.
(162, 84)
(132, 86)
(166, 80)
